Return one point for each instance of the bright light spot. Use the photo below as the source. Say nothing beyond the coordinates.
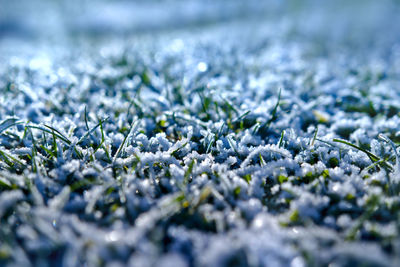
(112, 237)
(40, 63)
(62, 72)
(202, 66)
(297, 262)
(258, 223)
(177, 45)
(336, 187)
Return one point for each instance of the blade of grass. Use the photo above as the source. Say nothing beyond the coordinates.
(130, 132)
(314, 137)
(86, 120)
(210, 146)
(230, 141)
(267, 124)
(262, 161)
(34, 151)
(3, 128)
(189, 171)
(393, 145)
(373, 157)
(281, 139)
(52, 131)
(241, 117)
(91, 131)
(173, 153)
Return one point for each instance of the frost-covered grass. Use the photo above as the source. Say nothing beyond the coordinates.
(193, 149)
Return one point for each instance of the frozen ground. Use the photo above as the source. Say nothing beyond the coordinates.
(239, 135)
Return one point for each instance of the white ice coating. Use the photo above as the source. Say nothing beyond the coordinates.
(224, 144)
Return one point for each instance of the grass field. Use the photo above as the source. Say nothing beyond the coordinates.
(219, 134)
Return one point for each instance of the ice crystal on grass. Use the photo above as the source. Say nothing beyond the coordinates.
(190, 148)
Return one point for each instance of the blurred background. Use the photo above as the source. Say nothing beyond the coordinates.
(357, 20)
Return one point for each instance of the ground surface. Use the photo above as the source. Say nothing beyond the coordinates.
(262, 136)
